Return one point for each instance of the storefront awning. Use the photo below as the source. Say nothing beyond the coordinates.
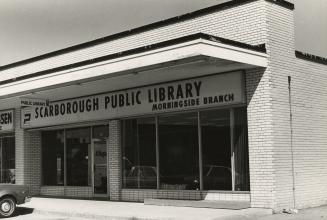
(189, 56)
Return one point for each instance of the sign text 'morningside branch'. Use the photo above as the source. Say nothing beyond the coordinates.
(206, 91)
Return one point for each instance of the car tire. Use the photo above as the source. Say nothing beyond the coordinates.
(7, 206)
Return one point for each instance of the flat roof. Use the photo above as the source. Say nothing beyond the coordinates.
(310, 57)
(258, 48)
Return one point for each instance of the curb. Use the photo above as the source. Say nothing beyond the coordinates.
(108, 217)
(99, 217)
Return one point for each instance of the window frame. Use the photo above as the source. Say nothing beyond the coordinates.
(65, 153)
(6, 135)
(231, 109)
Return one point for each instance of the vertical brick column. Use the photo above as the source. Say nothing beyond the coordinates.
(28, 156)
(19, 150)
(260, 130)
(280, 50)
(268, 114)
(114, 160)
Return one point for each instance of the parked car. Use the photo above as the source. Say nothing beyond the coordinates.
(10, 196)
(214, 178)
(141, 177)
(217, 177)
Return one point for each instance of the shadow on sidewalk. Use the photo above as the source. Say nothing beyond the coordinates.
(23, 211)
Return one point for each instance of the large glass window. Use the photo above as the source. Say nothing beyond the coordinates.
(7, 159)
(241, 151)
(173, 142)
(216, 150)
(78, 149)
(53, 157)
(139, 154)
(178, 150)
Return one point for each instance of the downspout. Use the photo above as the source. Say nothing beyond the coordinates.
(292, 150)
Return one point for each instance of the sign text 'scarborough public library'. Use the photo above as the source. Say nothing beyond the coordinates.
(204, 92)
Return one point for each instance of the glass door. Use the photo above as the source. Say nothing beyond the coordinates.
(7, 159)
(99, 167)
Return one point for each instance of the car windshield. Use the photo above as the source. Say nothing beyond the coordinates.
(143, 172)
(149, 172)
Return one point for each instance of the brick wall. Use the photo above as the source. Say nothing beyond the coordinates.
(114, 160)
(309, 105)
(28, 156)
(259, 110)
(138, 195)
(268, 115)
(69, 191)
(309, 109)
(280, 49)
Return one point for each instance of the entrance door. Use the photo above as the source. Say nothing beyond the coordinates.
(99, 167)
(7, 159)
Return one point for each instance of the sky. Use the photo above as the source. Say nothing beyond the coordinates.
(34, 27)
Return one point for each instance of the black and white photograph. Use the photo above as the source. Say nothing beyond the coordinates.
(163, 110)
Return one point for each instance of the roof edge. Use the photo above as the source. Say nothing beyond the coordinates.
(310, 57)
(219, 7)
(283, 3)
(258, 48)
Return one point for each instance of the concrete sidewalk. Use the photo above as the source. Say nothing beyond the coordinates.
(127, 210)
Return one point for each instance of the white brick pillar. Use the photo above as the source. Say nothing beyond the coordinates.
(114, 160)
(260, 129)
(280, 50)
(28, 156)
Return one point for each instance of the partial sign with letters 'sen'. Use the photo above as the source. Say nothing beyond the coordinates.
(6, 120)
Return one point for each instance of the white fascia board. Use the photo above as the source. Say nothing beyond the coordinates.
(236, 54)
(128, 63)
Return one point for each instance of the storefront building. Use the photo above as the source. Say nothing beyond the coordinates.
(214, 105)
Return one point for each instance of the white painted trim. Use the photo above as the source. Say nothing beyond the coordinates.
(109, 68)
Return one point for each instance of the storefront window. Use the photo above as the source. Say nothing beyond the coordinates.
(216, 150)
(78, 149)
(223, 144)
(139, 154)
(241, 152)
(179, 152)
(7, 159)
(53, 157)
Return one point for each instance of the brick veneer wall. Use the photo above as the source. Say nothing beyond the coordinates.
(114, 160)
(309, 113)
(259, 110)
(309, 104)
(69, 191)
(28, 156)
(280, 49)
(268, 115)
(140, 195)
